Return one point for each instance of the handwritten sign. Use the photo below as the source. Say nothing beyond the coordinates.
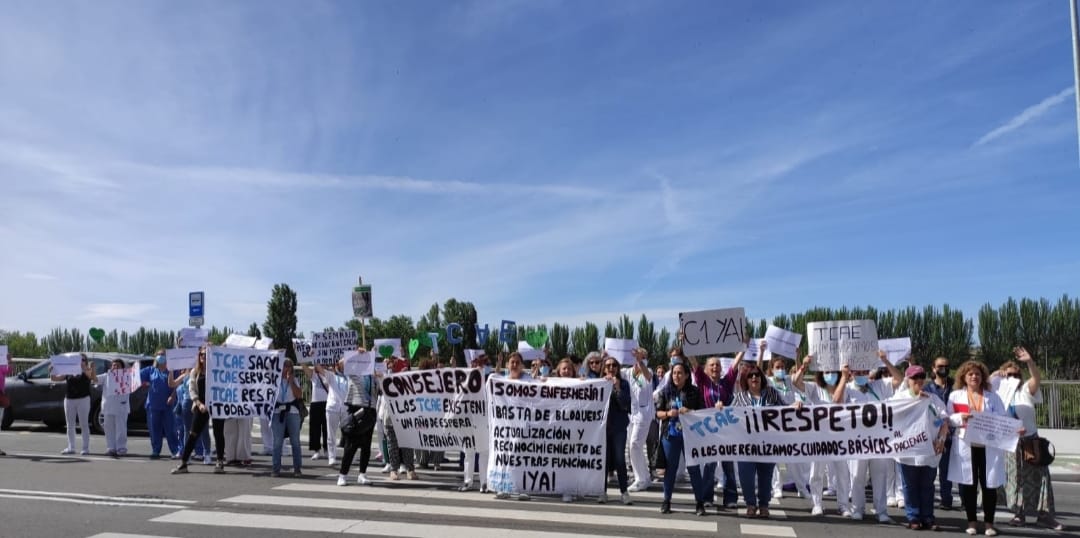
(782, 342)
(242, 382)
(193, 337)
(622, 349)
(896, 349)
(998, 431)
(239, 340)
(837, 432)
(837, 343)
(67, 364)
(713, 332)
(359, 364)
(182, 358)
(329, 346)
(547, 437)
(302, 350)
(440, 409)
(122, 381)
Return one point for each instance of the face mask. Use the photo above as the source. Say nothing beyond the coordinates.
(779, 374)
(831, 378)
(160, 359)
(942, 372)
(544, 371)
(861, 380)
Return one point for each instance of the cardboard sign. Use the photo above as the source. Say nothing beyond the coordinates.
(713, 332)
(181, 358)
(242, 382)
(622, 349)
(835, 344)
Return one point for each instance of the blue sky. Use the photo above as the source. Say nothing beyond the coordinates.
(549, 161)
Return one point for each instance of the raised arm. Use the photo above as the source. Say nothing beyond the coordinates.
(845, 376)
(797, 380)
(894, 372)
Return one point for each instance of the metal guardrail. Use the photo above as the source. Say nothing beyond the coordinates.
(1061, 405)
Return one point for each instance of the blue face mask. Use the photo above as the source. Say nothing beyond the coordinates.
(831, 378)
(160, 360)
(862, 380)
(676, 360)
(544, 371)
(779, 374)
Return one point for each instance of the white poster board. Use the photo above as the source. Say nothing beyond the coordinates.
(438, 409)
(303, 351)
(359, 364)
(331, 345)
(239, 340)
(263, 344)
(622, 349)
(998, 431)
(382, 346)
(193, 337)
(837, 343)
(242, 383)
(123, 381)
(782, 342)
(67, 364)
(528, 354)
(181, 358)
(713, 332)
(547, 437)
(896, 349)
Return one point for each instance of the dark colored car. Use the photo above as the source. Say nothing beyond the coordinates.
(35, 397)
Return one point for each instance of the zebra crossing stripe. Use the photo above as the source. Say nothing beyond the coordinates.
(748, 529)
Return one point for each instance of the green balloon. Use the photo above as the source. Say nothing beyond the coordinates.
(97, 334)
(386, 351)
(414, 344)
(536, 339)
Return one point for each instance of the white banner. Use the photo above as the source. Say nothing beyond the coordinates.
(239, 340)
(713, 332)
(181, 358)
(622, 349)
(440, 409)
(896, 349)
(124, 381)
(358, 364)
(193, 337)
(67, 364)
(547, 437)
(998, 431)
(331, 345)
(241, 382)
(837, 343)
(528, 354)
(839, 432)
(782, 342)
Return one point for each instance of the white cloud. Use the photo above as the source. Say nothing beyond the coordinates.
(118, 311)
(1029, 114)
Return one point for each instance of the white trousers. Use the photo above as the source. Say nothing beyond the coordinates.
(334, 418)
(838, 471)
(79, 409)
(267, 433)
(877, 471)
(639, 459)
(237, 439)
(469, 455)
(116, 433)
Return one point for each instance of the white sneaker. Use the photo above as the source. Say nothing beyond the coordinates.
(402, 470)
(85, 452)
(315, 456)
(817, 511)
(778, 494)
(386, 469)
(625, 499)
(900, 503)
(207, 460)
(891, 502)
(342, 480)
(331, 461)
(602, 499)
(524, 497)
(567, 498)
(67, 451)
(362, 480)
(845, 513)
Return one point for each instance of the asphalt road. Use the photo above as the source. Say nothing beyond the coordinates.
(44, 494)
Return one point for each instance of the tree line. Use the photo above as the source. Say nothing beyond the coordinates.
(1050, 330)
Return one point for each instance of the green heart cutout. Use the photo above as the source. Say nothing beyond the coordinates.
(386, 351)
(97, 334)
(536, 339)
(414, 344)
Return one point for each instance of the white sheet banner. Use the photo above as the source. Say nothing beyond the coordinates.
(440, 409)
(997, 431)
(782, 342)
(242, 382)
(839, 432)
(181, 358)
(837, 343)
(547, 437)
(123, 381)
(622, 349)
(896, 349)
(67, 364)
(193, 337)
(330, 346)
(713, 332)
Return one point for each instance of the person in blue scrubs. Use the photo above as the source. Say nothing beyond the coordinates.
(160, 397)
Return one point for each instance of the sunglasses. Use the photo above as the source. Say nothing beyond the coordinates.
(753, 375)
(594, 362)
(1015, 375)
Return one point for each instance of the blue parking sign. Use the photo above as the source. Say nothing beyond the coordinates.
(195, 304)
